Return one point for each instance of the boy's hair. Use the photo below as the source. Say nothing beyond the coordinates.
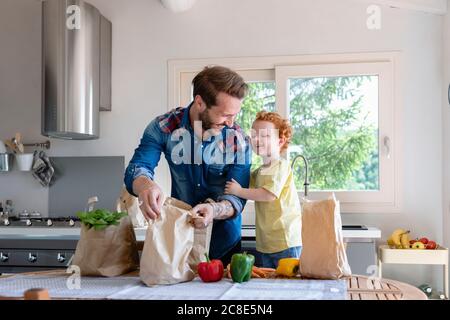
(283, 126)
(213, 80)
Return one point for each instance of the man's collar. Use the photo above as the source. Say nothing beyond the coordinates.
(185, 121)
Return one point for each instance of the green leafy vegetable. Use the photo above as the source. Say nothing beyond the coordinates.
(101, 218)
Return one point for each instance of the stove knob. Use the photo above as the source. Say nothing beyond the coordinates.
(6, 222)
(32, 257)
(71, 222)
(28, 222)
(4, 257)
(49, 222)
(61, 257)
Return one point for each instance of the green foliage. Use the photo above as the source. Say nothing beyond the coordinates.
(330, 130)
(367, 177)
(100, 219)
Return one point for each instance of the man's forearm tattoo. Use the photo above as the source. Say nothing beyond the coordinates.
(222, 210)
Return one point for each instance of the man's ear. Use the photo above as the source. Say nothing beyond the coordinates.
(200, 103)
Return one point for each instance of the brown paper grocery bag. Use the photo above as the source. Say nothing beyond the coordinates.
(130, 204)
(109, 252)
(323, 254)
(173, 247)
(202, 239)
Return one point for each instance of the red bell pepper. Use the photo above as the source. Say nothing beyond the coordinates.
(211, 270)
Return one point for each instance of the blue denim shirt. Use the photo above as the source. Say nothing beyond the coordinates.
(198, 170)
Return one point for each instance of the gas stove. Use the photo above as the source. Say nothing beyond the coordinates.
(30, 242)
(34, 219)
(68, 222)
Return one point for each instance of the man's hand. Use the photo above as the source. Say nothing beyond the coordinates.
(151, 197)
(203, 215)
(233, 187)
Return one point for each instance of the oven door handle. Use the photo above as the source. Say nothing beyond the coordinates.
(4, 257)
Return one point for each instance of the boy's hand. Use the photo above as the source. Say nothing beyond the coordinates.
(232, 187)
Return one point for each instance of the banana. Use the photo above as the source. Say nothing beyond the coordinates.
(404, 239)
(390, 242)
(396, 235)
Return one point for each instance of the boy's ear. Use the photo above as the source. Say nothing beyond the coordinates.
(282, 141)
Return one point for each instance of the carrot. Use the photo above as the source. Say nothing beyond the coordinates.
(256, 272)
(267, 269)
(229, 271)
(261, 274)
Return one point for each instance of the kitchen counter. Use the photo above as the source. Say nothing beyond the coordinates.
(370, 233)
(53, 247)
(52, 233)
(74, 233)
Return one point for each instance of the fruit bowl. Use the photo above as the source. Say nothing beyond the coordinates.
(400, 239)
(414, 256)
(438, 247)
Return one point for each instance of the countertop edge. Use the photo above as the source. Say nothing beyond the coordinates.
(72, 233)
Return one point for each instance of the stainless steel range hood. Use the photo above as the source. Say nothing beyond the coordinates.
(76, 53)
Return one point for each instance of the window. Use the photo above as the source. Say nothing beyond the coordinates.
(335, 122)
(344, 113)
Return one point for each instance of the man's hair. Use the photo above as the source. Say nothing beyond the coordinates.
(282, 125)
(213, 80)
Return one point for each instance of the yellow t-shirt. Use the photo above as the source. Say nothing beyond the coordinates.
(278, 222)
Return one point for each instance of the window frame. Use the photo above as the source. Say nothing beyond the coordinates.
(389, 198)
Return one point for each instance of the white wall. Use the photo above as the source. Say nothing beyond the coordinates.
(20, 94)
(446, 131)
(145, 36)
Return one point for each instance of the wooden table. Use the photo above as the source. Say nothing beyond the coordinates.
(363, 288)
(358, 287)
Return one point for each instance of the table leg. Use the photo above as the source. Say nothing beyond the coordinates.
(379, 269)
(446, 281)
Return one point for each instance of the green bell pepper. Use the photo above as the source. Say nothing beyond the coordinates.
(241, 266)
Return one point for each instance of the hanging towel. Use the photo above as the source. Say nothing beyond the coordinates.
(43, 169)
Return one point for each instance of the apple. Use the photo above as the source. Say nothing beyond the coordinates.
(418, 245)
(411, 242)
(431, 245)
(424, 240)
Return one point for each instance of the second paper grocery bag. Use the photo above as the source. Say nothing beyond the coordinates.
(323, 253)
(172, 246)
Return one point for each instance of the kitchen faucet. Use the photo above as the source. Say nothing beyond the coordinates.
(91, 202)
(306, 184)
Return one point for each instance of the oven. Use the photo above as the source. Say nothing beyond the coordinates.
(35, 253)
(29, 242)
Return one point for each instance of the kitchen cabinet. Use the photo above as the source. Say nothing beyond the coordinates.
(362, 257)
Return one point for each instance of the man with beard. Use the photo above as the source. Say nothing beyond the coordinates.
(204, 149)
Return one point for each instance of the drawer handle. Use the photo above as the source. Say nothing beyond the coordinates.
(32, 257)
(4, 257)
(61, 258)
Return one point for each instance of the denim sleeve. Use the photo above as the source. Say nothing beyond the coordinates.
(146, 155)
(241, 173)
